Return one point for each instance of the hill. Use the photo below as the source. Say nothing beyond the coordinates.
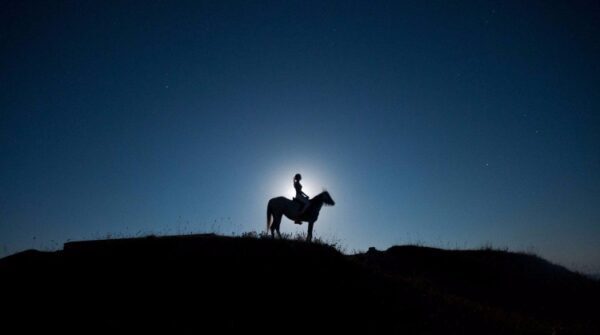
(198, 283)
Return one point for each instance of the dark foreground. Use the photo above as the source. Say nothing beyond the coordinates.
(205, 284)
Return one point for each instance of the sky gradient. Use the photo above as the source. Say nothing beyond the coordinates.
(450, 125)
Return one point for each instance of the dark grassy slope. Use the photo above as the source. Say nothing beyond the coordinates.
(194, 284)
(518, 283)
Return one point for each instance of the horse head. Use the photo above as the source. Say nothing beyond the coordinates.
(327, 199)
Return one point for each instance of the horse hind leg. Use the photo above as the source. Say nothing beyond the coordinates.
(275, 226)
(272, 228)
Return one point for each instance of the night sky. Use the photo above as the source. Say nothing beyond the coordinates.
(451, 125)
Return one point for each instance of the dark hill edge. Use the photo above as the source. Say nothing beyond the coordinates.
(195, 283)
(521, 283)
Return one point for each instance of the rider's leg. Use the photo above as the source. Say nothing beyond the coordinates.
(305, 206)
(306, 203)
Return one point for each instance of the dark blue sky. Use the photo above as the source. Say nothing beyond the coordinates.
(453, 125)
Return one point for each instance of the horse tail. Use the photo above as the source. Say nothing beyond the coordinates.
(269, 215)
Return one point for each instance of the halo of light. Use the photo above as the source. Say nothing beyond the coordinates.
(314, 180)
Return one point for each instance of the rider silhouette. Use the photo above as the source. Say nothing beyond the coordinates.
(300, 196)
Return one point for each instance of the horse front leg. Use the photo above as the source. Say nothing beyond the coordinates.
(310, 229)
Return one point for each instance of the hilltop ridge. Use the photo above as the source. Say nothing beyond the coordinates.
(194, 283)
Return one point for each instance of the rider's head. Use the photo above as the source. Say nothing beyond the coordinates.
(297, 177)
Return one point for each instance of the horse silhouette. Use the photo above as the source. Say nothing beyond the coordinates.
(279, 206)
